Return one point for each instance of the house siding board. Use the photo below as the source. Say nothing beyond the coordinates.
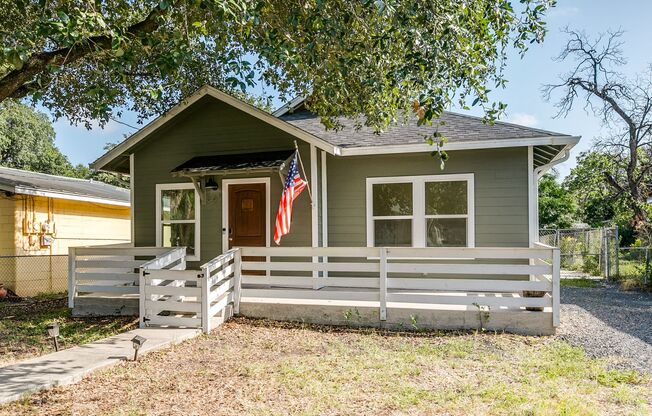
(500, 177)
(212, 127)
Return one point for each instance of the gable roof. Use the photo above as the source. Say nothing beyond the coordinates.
(24, 182)
(462, 131)
(124, 147)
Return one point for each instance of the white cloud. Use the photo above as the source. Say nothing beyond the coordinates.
(524, 119)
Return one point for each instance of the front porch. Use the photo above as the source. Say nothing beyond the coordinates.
(503, 289)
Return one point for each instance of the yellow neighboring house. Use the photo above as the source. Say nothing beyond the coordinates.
(42, 215)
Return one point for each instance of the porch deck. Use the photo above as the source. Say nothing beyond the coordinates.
(433, 288)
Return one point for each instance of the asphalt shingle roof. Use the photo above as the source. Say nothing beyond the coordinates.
(456, 127)
(13, 178)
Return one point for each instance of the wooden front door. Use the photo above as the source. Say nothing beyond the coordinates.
(247, 222)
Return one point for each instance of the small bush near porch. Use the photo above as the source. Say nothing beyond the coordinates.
(259, 367)
(23, 327)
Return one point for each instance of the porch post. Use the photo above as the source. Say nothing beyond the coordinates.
(237, 280)
(383, 284)
(314, 205)
(555, 287)
(204, 286)
(142, 297)
(72, 279)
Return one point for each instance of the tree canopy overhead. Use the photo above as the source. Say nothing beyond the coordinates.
(87, 60)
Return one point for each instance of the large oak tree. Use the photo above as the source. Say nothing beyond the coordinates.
(88, 59)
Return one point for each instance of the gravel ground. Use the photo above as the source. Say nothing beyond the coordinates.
(609, 323)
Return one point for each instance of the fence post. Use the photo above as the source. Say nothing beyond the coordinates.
(555, 287)
(204, 286)
(617, 252)
(72, 279)
(142, 297)
(237, 280)
(383, 284)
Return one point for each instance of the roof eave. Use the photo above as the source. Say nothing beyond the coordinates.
(466, 145)
(21, 190)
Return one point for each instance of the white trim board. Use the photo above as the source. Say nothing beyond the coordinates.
(225, 208)
(464, 145)
(132, 188)
(197, 221)
(419, 216)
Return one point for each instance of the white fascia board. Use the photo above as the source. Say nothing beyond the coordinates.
(284, 109)
(471, 145)
(232, 101)
(72, 197)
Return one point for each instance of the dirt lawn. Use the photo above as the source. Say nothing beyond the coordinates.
(23, 327)
(259, 367)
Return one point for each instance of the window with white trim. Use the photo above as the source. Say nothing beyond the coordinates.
(177, 217)
(421, 211)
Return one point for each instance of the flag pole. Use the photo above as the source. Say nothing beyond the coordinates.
(296, 147)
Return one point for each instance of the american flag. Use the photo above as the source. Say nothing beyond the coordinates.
(291, 190)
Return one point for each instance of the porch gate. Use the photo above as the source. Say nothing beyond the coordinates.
(171, 296)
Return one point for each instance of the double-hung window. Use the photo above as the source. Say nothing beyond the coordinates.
(177, 217)
(420, 211)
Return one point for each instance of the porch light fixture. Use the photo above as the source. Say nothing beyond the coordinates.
(137, 342)
(211, 184)
(53, 332)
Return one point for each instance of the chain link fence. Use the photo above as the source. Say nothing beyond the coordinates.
(34, 275)
(589, 250)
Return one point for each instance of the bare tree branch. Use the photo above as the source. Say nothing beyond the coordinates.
(623, 105)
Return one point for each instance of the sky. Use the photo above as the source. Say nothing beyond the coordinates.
(522, 95)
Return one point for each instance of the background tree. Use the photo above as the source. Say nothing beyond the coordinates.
(27, 141)
(625, 107)
(115, 179)
(87, 60)
(598, 203)
(556, 205)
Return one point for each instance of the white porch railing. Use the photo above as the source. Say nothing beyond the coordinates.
(106, 270)
(496, 278)
(511, 279)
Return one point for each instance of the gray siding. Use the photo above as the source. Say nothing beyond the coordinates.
(501, 192)
(211, 127)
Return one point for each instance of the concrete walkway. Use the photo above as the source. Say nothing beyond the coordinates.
(71, 365)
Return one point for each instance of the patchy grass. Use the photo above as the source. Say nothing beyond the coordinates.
(24, 333)
(261, 368)
(582, 282)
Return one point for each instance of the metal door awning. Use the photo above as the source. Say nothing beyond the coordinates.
(224, 164)
(201, 170)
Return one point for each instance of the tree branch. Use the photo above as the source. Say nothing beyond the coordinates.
(16, 83)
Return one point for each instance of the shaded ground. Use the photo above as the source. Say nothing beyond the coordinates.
(609, 323)
(23, 328)
(258, 367)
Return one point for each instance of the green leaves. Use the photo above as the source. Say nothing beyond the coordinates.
(370, 58)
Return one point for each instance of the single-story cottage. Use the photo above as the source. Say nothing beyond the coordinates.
(42, 215)
(205, 176)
